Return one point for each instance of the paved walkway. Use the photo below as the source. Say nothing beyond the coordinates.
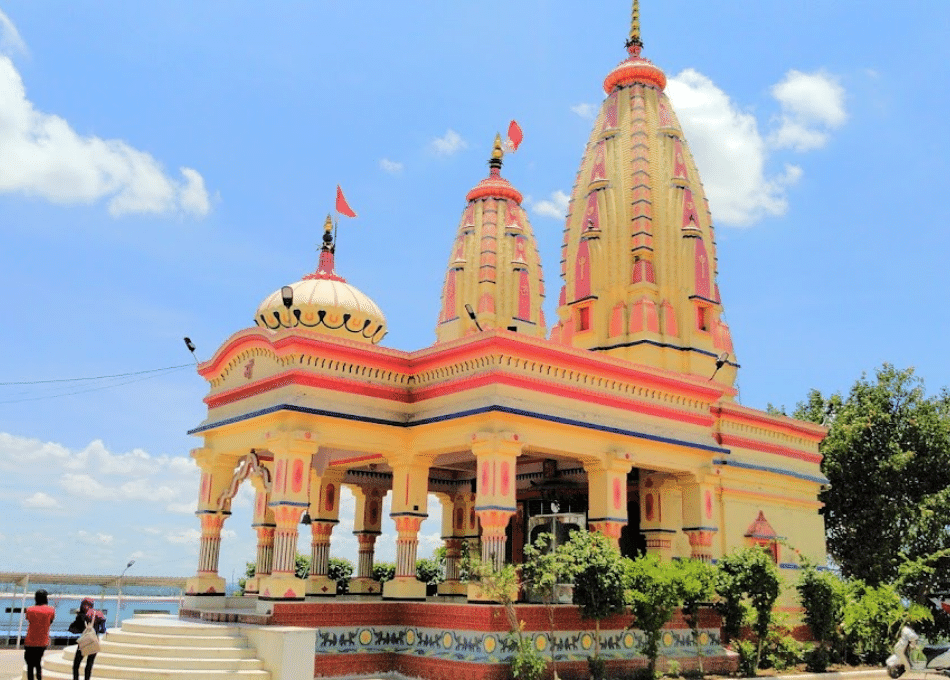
(11, 664)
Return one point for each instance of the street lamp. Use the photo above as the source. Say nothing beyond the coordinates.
(118, 597)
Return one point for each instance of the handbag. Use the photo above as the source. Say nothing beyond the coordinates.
(89, 640)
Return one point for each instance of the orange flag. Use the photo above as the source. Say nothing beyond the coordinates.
(515, 135)
(342, 206)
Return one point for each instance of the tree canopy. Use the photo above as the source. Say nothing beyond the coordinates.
(887, 457)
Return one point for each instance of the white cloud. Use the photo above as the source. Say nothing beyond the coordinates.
(10, 40)
(40, 501)
(392, 167)
(91, 538)
(189, 508)
(185, 536)
(586, 111)
(44, 157)
(730, 152)
(555, 207)
(451, 142)
(812, 105)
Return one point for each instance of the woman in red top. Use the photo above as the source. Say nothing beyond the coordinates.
(40, 618)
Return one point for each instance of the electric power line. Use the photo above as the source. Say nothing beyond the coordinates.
(100, 377)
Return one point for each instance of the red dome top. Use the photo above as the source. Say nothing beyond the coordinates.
(635, 69)
(494, 186)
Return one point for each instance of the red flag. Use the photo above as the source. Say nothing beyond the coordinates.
(342, 206)
(515, 135)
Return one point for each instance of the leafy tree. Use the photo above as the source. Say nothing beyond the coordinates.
(697, 583)
(823, 596)
(542, 571)
(747, 575)
(598, 582)
(654, 591)
(887, 456)
(501, 585)
(873, 616)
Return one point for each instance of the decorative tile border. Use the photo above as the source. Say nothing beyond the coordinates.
(493, 647)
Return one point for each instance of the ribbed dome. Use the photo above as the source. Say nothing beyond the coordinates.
(325, 302)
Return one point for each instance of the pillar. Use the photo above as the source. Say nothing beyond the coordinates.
(410, 496)
(496, 455)
(459, 525)
(264, 526)
(216, 474)
(367, 525)
(659, 513)
(607, 487)
(324, 515)
(699, 513)
(293, 452)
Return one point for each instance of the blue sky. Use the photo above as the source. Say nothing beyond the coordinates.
(166, 166)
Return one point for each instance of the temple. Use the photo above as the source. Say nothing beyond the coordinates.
(621, 418)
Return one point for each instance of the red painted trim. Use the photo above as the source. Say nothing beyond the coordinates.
(358, 459)
(787, 452)
(307, 379)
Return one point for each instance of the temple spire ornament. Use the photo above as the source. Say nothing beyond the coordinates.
(634, 42)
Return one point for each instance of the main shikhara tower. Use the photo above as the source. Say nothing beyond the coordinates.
(621, 419)
(639, 253)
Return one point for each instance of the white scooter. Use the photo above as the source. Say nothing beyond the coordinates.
(936, 657)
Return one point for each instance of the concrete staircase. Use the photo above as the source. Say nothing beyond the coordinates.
(158, 647)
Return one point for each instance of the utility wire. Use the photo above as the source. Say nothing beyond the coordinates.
(154, 374)
(100, 377)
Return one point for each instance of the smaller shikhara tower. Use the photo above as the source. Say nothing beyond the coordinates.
(494, 269)
(638, 259)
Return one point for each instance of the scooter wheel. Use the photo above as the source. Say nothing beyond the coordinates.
(895, 671)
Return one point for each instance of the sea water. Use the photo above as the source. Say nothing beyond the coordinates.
(65, 600)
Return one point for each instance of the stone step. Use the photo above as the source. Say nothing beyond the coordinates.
(159, 639)
(166, 661)
(171, 625)
(157, 647)
(237, 649)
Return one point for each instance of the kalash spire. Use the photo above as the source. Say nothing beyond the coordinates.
(494, 272)
(638, 259)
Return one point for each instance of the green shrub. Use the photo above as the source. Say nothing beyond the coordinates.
(597, 668)
(384, 571)
(748, 656)
(527, 662)
(340, 570)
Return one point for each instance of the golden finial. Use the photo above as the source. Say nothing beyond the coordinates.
(634, 40)
(328, 235)
(497, 152)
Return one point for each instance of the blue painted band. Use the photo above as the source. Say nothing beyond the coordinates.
(454, 416)
(778, 471)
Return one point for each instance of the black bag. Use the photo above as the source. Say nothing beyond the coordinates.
(78, 626)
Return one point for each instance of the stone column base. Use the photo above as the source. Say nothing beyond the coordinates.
(453, 588)
(282, 588)
(321, 586)
(365, 586)
(210, 584)
(476, 594)
(404, 588)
